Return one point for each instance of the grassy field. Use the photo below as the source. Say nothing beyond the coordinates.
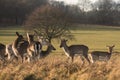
(96, 37)
(56, 67)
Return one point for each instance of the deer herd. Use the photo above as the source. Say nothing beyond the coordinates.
(31, 50)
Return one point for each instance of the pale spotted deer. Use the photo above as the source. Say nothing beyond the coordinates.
(70, 51)
(101, 55)
(34, 48)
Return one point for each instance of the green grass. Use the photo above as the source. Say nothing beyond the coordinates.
(96, 37)
(7, 34)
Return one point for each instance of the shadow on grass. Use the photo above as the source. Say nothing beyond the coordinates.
(30, 77)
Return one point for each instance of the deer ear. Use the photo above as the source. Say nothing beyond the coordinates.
(17, 34)
(27, 34)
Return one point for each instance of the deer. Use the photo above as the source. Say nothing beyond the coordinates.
(19, 47)
(10, 53)
(23, 48)
(34, 48)
(50, 47)
(70, 51)
(101, 55)
(2, 52)
(44, 42)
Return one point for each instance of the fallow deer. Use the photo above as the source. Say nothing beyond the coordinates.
(70, 51)
(34, 48)
(20, 46)
(50, 47)
(101, 55)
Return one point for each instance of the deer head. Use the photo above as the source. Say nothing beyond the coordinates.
(63, 42)
(111, 48)
(20, 37)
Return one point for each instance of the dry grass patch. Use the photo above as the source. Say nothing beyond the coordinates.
(56, 67)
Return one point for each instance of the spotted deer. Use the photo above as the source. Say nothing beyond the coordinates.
(50, 47)
(70, 51)
(101, 55)
(19, 46)
(34, 48)
(2, 52)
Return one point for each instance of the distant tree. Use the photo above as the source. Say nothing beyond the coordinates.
(85, 6)
(116, 13)
(50, 22)
(105, 12)
(14, 12)
(73, 11)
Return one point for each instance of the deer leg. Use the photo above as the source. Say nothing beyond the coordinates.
(28, 59)
(16, 58)
(91, 58)
(11, 57)
(82, 59)
(25, 57)
(86, 57)
(30, 55)
(72, 57)
(38, 56)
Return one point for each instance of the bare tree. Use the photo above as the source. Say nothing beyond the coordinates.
(50, 22)
(85, 5)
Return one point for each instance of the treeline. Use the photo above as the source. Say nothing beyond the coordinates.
(14, 12)
(105, 12)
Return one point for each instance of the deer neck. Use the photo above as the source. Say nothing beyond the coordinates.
(65, 47)
(66, 50)
(30, 39)
(110, 51)
(15, 44)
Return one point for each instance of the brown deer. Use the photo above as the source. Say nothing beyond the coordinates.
(70, 51)
(50, 47)
(101, 55)
(20, 46)
(2, 52)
